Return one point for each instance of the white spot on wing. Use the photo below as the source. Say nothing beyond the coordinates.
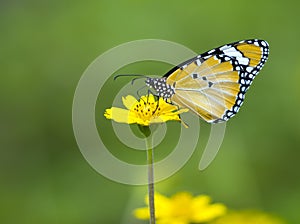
(224, 47)
(232, 52)
(242, 60)
(256, 43)
(198, 62)
(229, 114)
(249, 69)
(263, 43)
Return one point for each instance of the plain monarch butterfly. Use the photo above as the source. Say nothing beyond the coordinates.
(213, 84)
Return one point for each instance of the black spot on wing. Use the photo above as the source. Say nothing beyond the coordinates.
(195, 76)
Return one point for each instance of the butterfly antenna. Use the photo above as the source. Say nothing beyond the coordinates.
(133, 80)
(130, 75)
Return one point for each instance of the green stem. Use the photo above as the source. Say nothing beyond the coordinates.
(150, 161)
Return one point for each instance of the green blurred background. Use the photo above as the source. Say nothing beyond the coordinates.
(47, 45)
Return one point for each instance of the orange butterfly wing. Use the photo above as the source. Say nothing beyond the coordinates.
(213, 84)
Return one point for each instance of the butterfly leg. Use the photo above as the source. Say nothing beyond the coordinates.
(178, 108)
(157, 100)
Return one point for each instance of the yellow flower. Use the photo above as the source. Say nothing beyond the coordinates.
(182, 208)
(144, 112)
(247, 217)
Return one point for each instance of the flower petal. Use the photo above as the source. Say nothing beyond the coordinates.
(141, 121)
(156, 120)
(163, 206)
(129, 101)
(183, 208)
(169, 117)
(167, 107)
(172, 220)
(142, 213)
(201, 201)
(209, 212)
(180, 111)
(119, 115)
(248, 217)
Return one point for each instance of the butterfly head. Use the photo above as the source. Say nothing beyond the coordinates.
(161, 87)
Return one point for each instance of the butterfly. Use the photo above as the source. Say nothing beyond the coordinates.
(213, 84)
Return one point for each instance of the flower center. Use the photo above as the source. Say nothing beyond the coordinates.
(146, 110)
